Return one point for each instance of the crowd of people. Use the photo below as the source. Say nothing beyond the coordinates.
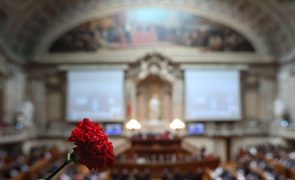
(162, 158)
(284, 155)
(13, 162)
(167, 174)
(76, 173)
(154, 151)
(135, 174)
(260, 162)
(253, 163)
(154, 136)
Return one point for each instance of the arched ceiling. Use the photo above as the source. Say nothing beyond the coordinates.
(28, 28)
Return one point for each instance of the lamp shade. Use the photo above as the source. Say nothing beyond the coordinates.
(177, 124)
(133, 124)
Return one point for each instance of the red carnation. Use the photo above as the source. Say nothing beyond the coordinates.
(92, 145)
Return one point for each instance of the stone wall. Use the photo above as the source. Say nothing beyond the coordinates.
(14, 92)
(286, 86)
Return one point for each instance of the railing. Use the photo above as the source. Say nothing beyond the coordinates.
(11, 134)
(212, 129)
(189, 147)
(120, 145)
(4, 131)
(157, 168)
(284, 132)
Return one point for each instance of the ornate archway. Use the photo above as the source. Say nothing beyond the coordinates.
(258, 29)
(153, 75)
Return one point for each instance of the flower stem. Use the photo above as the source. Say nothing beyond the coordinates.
(57, 170)
(69, 158)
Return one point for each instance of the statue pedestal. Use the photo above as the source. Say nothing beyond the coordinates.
(156, 126)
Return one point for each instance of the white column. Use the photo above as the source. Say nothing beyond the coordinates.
(178, 99)
(14, 93)
(38, 91)
(130, 92)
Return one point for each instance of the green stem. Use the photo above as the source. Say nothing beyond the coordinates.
(57, 170)
(69, 158)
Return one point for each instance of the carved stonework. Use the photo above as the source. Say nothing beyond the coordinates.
(157, 65)
(153, 77)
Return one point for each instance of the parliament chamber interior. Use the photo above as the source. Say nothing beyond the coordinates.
(183, 89)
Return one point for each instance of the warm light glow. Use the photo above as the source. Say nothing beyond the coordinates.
(177, 124)
(133, 124)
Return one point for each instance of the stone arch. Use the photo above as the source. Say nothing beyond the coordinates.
(109, 8)
(264, 24)
(153, 74)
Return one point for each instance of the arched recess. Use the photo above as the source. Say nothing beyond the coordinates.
(104, 9)
(154, 74)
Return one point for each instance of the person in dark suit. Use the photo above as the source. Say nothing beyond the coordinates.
(167, 175)
(146, 175)
(198, 175)
(178, 175)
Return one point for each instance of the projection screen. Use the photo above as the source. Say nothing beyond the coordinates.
(98, 95)
(212, 95)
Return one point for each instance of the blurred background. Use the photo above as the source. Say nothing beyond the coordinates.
(184, 89)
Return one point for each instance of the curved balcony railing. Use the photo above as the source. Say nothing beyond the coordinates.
(11, 134)
(284, 132)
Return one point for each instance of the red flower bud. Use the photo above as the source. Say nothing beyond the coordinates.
(92, 145)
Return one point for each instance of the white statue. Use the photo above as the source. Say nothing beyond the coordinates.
(154, 108)
(25, 113)
(279, 108)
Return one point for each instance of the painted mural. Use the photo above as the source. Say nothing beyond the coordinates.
(151, 27)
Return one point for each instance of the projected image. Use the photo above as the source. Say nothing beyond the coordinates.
(196, 128)
(97, 95)
(113, 129)
(212, 95)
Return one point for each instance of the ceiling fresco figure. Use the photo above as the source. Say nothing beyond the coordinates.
(151, 27)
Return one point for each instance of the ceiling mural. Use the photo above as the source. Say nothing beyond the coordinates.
(29, 28)
(151, 27)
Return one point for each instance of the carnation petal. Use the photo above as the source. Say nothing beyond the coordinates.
(92, 145)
